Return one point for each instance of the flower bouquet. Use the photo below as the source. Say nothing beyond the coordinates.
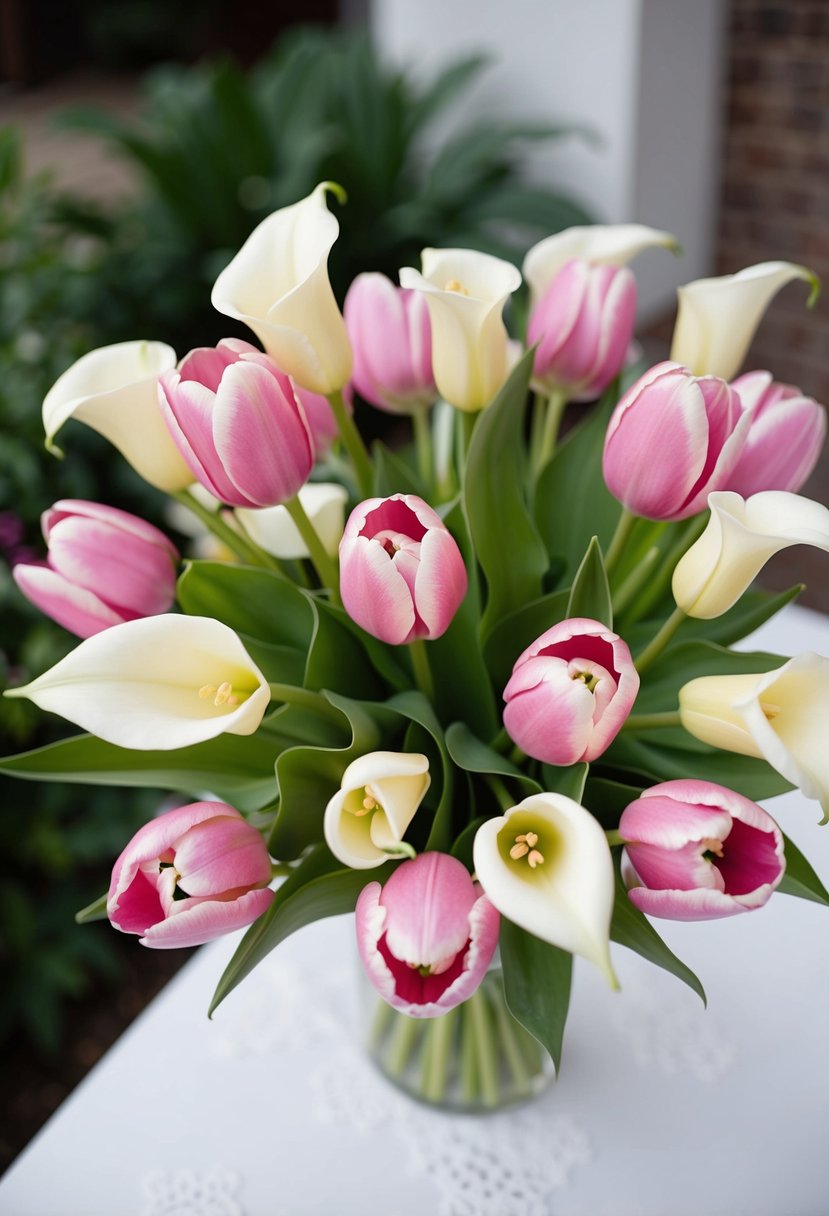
(476, 688)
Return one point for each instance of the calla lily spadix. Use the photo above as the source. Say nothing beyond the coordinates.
(465, 293)
(162, 682)
(740, 537)
(546, 866)
(780, 715)
(718, 317)
(278, 285)
(598, 244)
(368, 816)
(113, 390)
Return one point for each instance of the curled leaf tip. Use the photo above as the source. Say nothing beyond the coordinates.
(815, 284)
(340, 193)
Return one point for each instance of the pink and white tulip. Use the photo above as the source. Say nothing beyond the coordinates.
(784, 439)
(104, 566)
(672, 439)
(570, 692)
(427, 936)
(190, 875)
(583, 325)
(392, 343)
(238, 424)
(401, 572)
(700, 851)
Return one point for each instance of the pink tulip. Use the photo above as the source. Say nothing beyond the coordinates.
(401, 572)
(238, 424)
(583, 324)
(427, 937)
(672, 439)
(570, 692)
(391, 339)
(189, 876)
(785, 436)
(104, 567)
(700, 851)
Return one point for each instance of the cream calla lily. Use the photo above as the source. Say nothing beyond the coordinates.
(273, 529)
(780, 715)
(367, 818)
(114, 390)
(741, 536)
(278, 285)
(718, 317)
(465, 293)
(599, 244)
(156, 684)
(546, 866)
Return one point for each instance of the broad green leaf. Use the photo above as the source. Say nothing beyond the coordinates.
(392, 475)
(319, 887)
(336, 659)
(385, 659)
(568, 780)
(470, 754)
(752, 610)
(97, 910)
(662, 681)
(631, 928)
(537, 980)
(507, 543)
(590, 593)
(606, 799)
(516, 632)
(462, 848)
(415, 707)
(800, 879)
(248, 600)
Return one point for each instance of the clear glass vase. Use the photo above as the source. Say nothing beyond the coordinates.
(473, 1059)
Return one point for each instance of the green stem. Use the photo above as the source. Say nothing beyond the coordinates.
(659, 585)
(380, 1022)
(422, 670)
(512, 1052)
(635, 581)
(422, 428)
(466, 428)
(614, 839)
(658, 643)
(439, 1035)
(353, 441)
(626, 521)
(443, 443)
(404, 1035)
(504, 797)
(501, 742)
(324, 565)
(468, 1060)
(245, 549)
(556, 405)
(671, 717)
(484, 1048)
(307, 699)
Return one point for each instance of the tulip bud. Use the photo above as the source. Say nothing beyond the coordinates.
(784, 439)
(236, 420)
(368, 816)
(190, 875)
(392, 343)
(427, 936)
(672, 439)
(401, 571)
(570, 692)
(274, 531)
(738, 540)
(700, 851)
(104, 567)
(466, 292)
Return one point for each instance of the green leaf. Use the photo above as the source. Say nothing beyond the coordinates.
(318, 888)
(392, 475)
(506, 541)
(336, 660)
(97, 910)
(606, 799)
(590, 593)
(462, 848)
(631, 928)
(568, 780)
(415, 707)
(516, 632)
(799, 878)
(537, 980)
(752, 610)
(470, 754)
(248, 600)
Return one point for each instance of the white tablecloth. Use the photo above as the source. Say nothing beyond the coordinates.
(662, 1108)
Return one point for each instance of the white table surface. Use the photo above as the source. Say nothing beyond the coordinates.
(662, 1108)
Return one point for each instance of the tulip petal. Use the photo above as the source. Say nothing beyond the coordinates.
(374, 593)
(225, 845)
(122, 569)
(76, 609)
(202, 921)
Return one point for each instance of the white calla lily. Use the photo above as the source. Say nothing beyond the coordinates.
(367, 818)
(114, 390)
(546, 866)
(599, 244)
(780, 715)
(155, 684)
(740, 537)
(274, 531)
(465, 293)
(278, 285)
(717, 317)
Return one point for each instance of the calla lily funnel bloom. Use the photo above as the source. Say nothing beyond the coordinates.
(784, 439)
(570, 692)
(190, 875)
(368, 816)
(672, 439)
(594, 244)
(156, 684)
(546, 865)
(105, 566)
(237, 422)
(278, 285)
(700, 851)
(466, 292)
(401, 571)
(392, 343)
(427, 937)
(739, 539)
(113, 390)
